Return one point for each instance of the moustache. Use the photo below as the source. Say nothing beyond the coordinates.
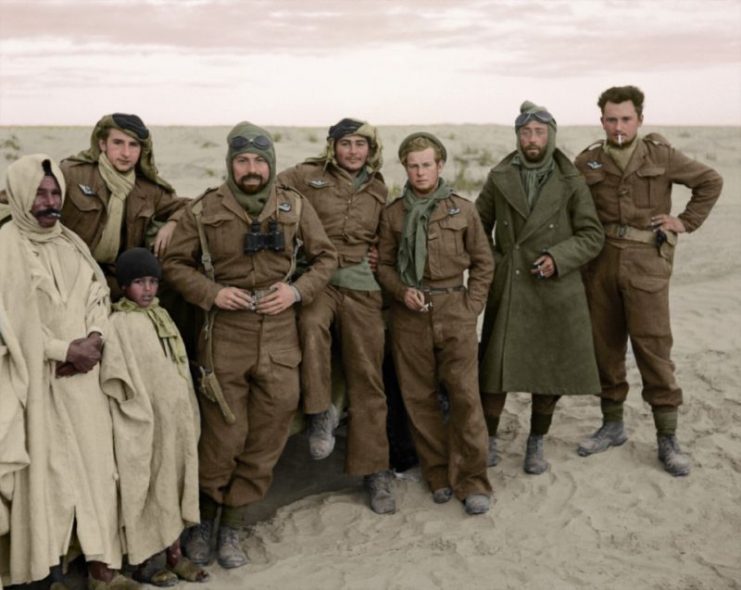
(49, 212)
(251, 176)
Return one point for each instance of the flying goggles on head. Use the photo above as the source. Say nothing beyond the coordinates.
(541, 116)
(260, 142)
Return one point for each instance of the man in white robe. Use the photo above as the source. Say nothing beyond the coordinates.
(57, 303)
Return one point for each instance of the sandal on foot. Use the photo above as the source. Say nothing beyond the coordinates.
(186, 570)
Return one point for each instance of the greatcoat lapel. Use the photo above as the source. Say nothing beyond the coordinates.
(547, 203)
(509, 183)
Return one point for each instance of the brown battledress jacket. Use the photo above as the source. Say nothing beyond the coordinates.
(441, 345)
(628, 283)
(85, 206)
(350, 217)
(256, 356)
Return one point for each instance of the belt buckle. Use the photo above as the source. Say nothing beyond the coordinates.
(622, 230)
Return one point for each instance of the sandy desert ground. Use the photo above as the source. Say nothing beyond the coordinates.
(613, 521)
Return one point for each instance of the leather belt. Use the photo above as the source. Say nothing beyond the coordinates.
(630, 233)
(438, 290)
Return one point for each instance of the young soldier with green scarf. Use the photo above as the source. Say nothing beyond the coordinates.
(345, 187)
(428, 239)
(233, 254)
(536, 334)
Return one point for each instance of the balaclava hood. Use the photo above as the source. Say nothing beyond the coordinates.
(529, 111)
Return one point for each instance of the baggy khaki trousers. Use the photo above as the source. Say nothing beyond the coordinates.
(354, 317)
(256, 361)
(441, 347)
(628, 293)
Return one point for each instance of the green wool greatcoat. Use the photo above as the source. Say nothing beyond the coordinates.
(537, 334)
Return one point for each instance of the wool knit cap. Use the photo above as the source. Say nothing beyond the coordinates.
(136, 263)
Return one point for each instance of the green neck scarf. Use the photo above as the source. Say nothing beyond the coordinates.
(532, 178)
(253, 204)
(412, 255)
(167, 332)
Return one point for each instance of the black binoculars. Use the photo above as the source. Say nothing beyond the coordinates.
(256, 240)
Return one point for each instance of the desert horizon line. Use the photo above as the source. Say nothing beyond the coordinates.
(5, 126)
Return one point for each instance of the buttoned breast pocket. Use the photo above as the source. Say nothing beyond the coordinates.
(452, 230)
(366, 210)
(224, 234)
(83, 198)
(647, 188)
(603, 188)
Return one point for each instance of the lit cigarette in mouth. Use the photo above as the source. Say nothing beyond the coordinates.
(620, 139)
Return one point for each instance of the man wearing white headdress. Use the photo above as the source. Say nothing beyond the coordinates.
(57, 303)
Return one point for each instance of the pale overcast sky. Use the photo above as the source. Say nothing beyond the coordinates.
(298, 62)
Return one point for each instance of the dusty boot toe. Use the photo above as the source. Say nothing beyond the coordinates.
(229, 550)
(381, 495)
(442, 495)
(476, 504)
(198, 545)
(671, 455)
(321, 433)
(610, 434)
(535, 463)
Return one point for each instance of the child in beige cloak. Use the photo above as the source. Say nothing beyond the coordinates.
(155, 423)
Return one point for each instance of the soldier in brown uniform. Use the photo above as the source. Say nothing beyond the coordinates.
(251, 227)
(115, 195)
(428, 239)
(345, 187)
(631, 178)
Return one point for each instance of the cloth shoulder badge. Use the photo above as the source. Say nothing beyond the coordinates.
(285, 207)
(318, 183)
(88, 191)
(594, 164)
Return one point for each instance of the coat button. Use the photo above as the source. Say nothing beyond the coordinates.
(506, 222)
(551, 226)
(517, 271)
(517, 247)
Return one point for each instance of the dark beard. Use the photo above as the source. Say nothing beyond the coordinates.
(536, 159)
(251, 190)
